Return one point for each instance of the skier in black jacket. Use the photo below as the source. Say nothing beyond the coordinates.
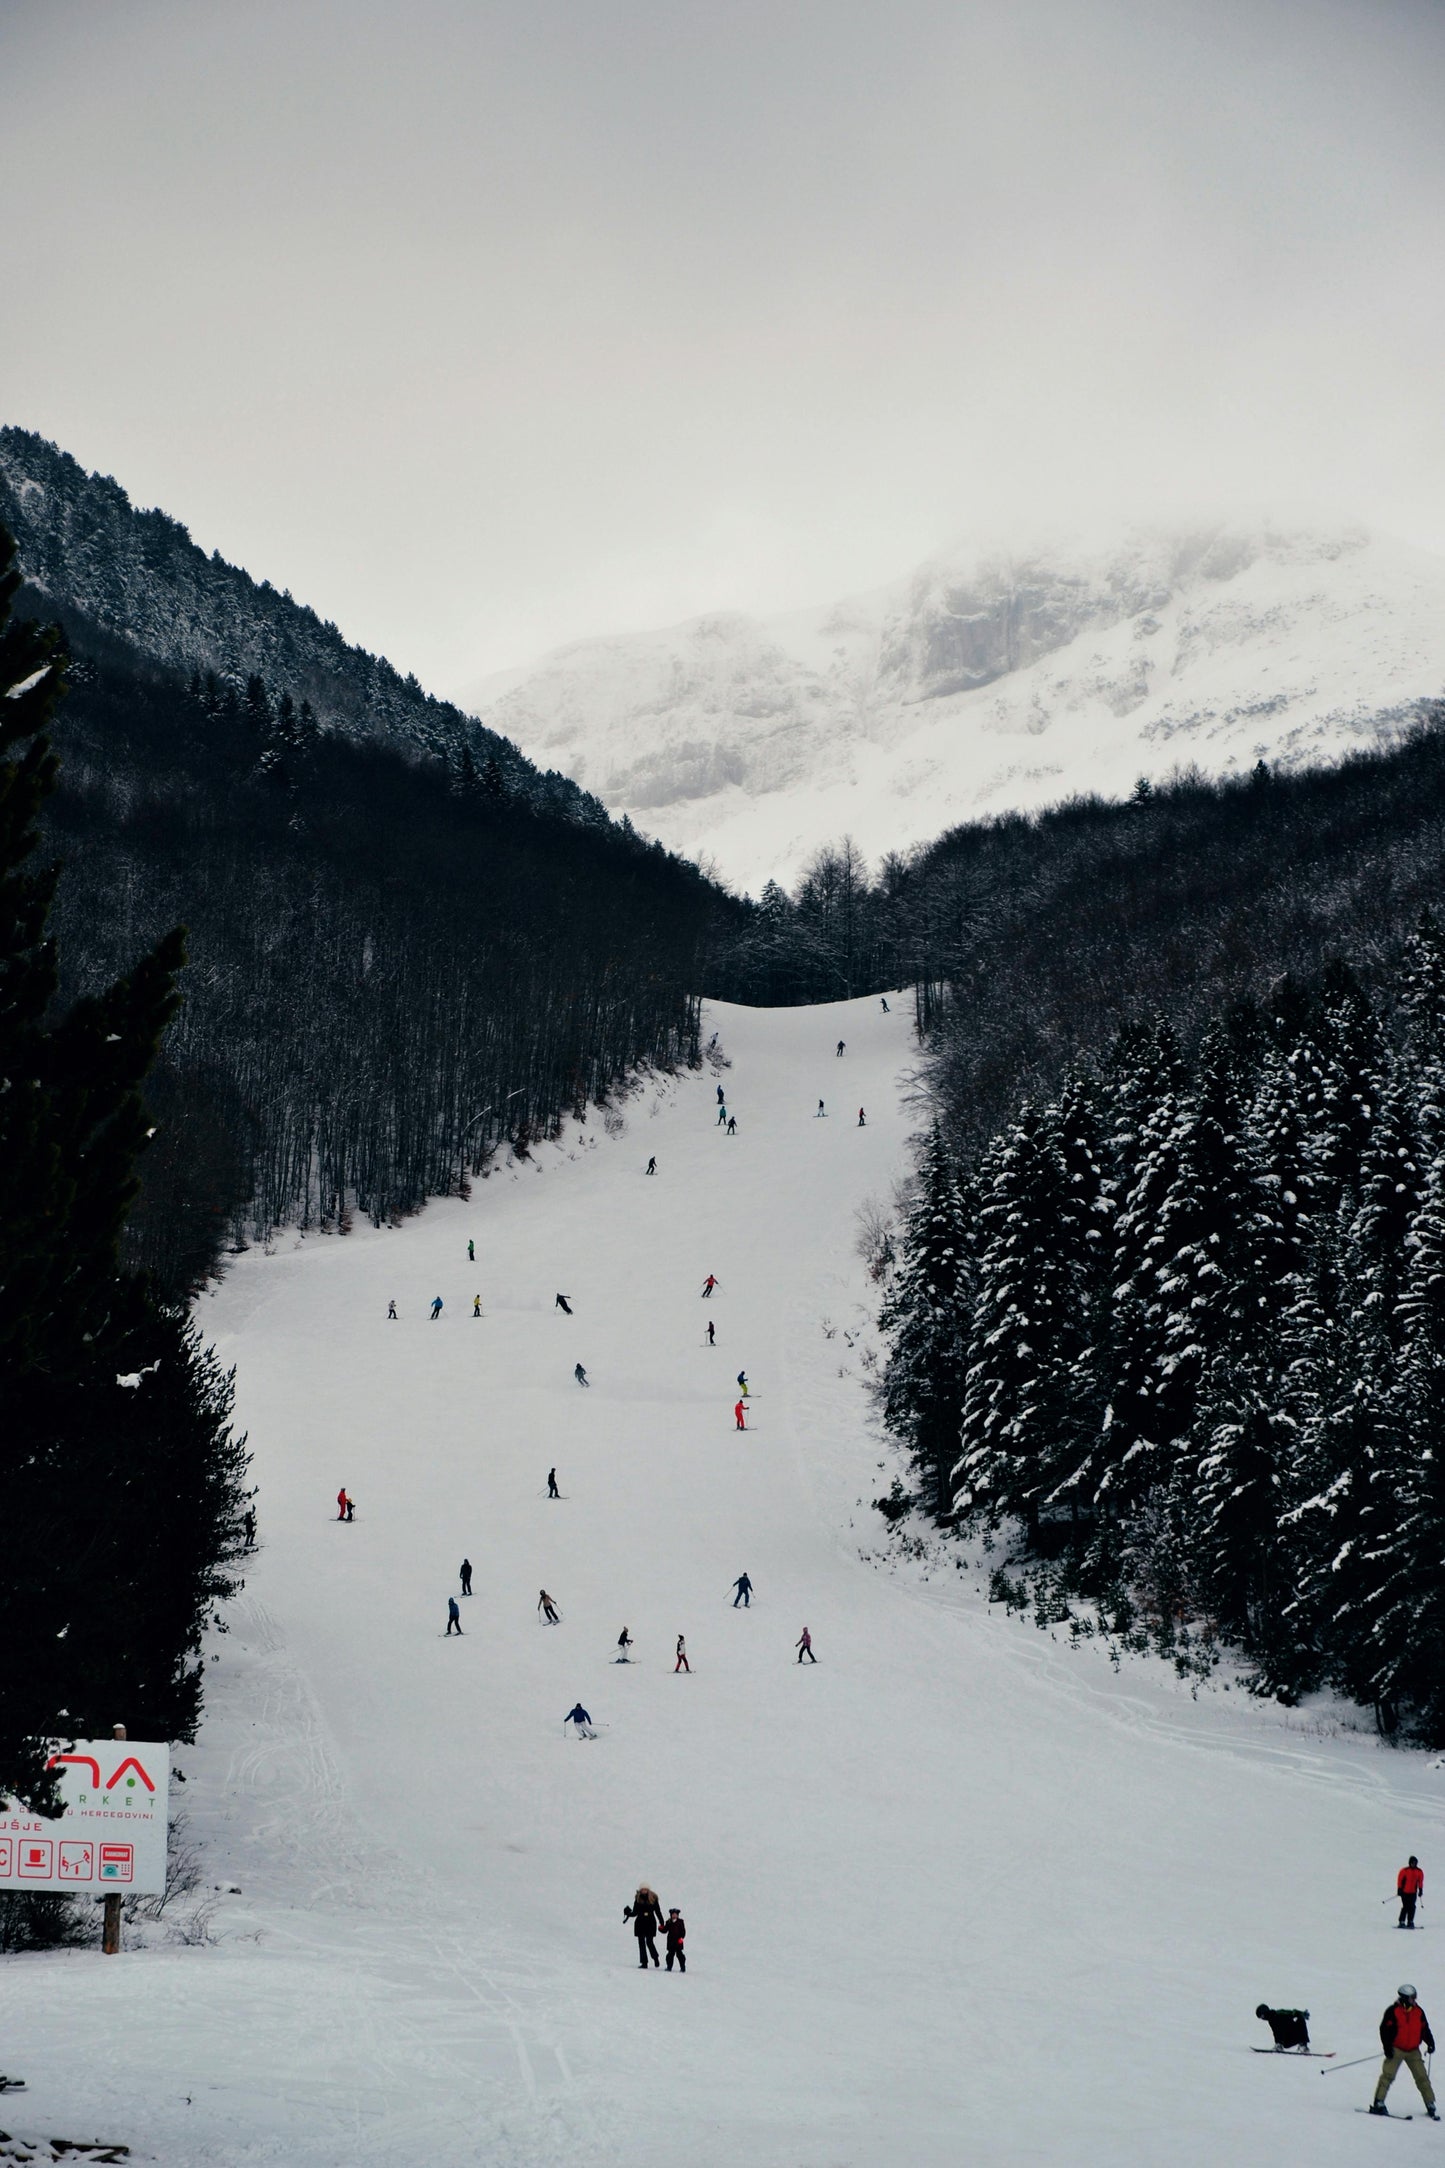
(1290, 2027)
(645, 1913)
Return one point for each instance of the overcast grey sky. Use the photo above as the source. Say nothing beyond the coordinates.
(482, 326)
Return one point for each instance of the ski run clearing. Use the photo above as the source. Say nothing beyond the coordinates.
(960, 1893)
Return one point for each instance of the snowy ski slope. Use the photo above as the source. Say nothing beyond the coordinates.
(958, 1894)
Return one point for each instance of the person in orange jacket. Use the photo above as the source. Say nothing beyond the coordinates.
(1409, 1888)
(1404, 2030)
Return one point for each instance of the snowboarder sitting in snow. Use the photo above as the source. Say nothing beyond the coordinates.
(578, 1715)
(645, 1913)
(1290, 2027)
(676, 1939)
(1409, 1888)
(1404, 2030)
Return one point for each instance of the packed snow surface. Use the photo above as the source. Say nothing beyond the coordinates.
(990, 680)
(959, 1893)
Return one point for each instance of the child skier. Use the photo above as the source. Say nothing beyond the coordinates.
(676, 1939)
(1289, 2027)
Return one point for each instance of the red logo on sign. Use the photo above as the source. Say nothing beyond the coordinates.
(36, 1854)
(88, 1761)
(117, 1862)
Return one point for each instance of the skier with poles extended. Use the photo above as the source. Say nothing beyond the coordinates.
(740, 1415)
(624, 1648)
(1404, 2029)
(1410, 1889)
(560, 1302)
(744, 1594)
(676, 1939)
(466, 1577)
(454, 1617)
(708, 1285)
(552, 1490)
(645, 1913)
(547, 1608)
(578, 1715)
(682, 1663)
(805, 1647)
(436, 1308)
(581, 1376)
(1289, 2027)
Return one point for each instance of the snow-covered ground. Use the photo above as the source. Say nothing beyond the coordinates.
(989, 680)
(959, 1893)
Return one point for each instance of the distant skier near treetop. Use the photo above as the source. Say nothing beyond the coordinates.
(1409, 1888)
(1289, 2027)
(1404, 2029)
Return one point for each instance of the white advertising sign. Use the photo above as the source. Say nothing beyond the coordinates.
(110, 1835)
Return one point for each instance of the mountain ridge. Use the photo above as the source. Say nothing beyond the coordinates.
(989, 681)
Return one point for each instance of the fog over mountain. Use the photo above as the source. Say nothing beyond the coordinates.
(989, 680)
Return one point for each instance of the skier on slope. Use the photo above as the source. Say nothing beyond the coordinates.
(624, 1647)
(466, 1576)
(471, 1253)
(560, 1302)
(820, 1111)
(740, 1415)
(342, 1502)
(709, 1284)
(884, 999)
(552, 1490)
(805, 1647)
(682, 1663)
(721, 1095)
(476, 1306)
(722, 1115)
(743, 1383)
(578, 1715)
(676, 1939)
(1289, 2027)
(581, 1376)
(744, 1594)
(840, 1046)
(1409, 1888)
(436, 1308)
(1404, 2029)
(862, 1119)
(732, 1127)
(391, 1308)
(645, 1913)
(711, 1333)
(652, 1164)
(547, 1608)
(454, 1617)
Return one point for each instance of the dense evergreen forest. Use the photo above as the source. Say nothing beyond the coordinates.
(395, 962)
(122, 1482)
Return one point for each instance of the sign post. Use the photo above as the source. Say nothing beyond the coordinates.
(110, 1834)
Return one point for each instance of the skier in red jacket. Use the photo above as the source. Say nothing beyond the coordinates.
(1409, 1888)
(341, 1503)
(740, 1415)
(1404, 2030)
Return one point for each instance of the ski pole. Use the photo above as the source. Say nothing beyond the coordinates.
(1348, 2066)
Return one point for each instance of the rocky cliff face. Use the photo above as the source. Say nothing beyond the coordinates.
(989, 680)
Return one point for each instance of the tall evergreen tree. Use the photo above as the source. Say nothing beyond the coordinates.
(926, 1313)
(114, 1449)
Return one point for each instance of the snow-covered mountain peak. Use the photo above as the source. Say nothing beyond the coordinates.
(990, 678)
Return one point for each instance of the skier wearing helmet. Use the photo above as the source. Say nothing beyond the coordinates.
(1404, 2030)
